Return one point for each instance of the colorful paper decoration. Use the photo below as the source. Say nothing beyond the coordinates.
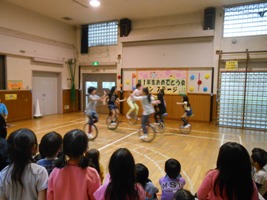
(191, 88)
(133, 75)
(119, 77)
(205, 89)
(192, 77)
(127, 82)
(207, 76)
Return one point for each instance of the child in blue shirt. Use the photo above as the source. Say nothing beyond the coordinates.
(142, 175)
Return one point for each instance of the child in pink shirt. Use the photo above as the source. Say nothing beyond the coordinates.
(121, 184)
(72, 179)
(232, 178)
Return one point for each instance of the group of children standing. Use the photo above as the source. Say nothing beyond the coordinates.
(149, 105)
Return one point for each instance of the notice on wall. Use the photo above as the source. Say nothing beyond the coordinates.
(14, 85)
(11, 97)
(231, 65)
(172, 81)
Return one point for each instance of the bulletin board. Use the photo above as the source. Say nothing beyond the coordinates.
(172, 81)
(199, 81)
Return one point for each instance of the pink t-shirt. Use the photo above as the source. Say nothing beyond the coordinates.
(73, 182)
(100, 193)
(205, 191)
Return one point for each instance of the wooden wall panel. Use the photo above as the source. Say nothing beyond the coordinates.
(20, 108)
(200, 104)
(69, 106)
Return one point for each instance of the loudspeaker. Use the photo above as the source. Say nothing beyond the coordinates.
(125, 27)
(84, 39)
(209, 18)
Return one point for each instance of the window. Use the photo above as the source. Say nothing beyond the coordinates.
(108, 85)
(103, 34)
(245, 20)
(241, 106)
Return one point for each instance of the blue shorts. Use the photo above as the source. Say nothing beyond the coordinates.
(189, 113)
(112, 107)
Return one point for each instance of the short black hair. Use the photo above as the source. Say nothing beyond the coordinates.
(91, 89)
(142, 174)
(172, 168)
(138, 85)
(183, 194)
(50, 144)
(259, 157)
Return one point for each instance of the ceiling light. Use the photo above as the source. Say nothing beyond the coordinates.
(95, 3)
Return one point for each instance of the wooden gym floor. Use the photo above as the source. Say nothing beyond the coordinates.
(197, 152)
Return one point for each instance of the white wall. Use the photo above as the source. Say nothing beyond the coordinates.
(25, 35)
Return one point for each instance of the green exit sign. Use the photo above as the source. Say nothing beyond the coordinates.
(95, 63)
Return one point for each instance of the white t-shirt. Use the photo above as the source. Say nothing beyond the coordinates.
(34, 179)
(260, 177)
(148, 108)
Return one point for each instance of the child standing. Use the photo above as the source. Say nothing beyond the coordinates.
(131, 101)
(93, 157)
(23, 179)
(172, 181)
(49, 148)
(142, 175)
(160, 107)
(113, 98)
(91, 108)
(147, 101)
(260, 177)
(71, 172)
(121, 184)
(188, 110)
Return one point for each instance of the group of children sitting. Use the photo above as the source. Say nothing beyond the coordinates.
(65, 170)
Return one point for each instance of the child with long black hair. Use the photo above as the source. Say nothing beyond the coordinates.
(147, 101)
(232, 177)
(121, 185)
(188, 110)
(160, 107)
(113, 99)
(23, 179)
(72, 172)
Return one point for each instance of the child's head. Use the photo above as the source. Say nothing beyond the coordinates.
(50, 145)
(183, 194)
(75, 144)
(138, 86)
(161, 91)
(233, 157)
(91, 90)
(122, 175)
(142, 174)
(185, 98)
(172, 168)
(92, 156)
(122, 166)
(258, 158)
(113, 90)
(22, 145)
(145, 91)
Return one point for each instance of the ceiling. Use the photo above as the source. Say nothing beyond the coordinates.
(82, 13)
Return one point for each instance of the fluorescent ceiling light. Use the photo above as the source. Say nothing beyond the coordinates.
(95, 3)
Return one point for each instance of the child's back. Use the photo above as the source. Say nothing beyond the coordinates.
(50, 145)
(22, 179)
(172, 181)
(78, 180)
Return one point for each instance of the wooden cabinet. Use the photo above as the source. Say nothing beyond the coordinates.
(18, 103)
